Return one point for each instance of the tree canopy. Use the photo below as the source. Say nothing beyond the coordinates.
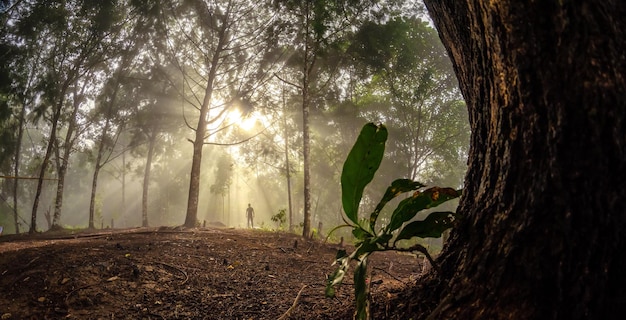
(146, 100)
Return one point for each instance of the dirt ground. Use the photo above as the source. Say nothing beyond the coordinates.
(169, 273)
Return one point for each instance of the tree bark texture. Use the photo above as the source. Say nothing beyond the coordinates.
(544, 208)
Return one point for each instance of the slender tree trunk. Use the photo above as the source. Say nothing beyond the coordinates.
(16, 168)
(191, 217)
(65, 158)
(309, 61)
(306, 150)
(288, 172)
(541, 233)
(146, 179)
(96, 172)
(44, 164)
(123, 185)
(94, 188)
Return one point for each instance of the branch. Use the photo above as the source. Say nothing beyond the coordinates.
(234, 143)
(287, 82)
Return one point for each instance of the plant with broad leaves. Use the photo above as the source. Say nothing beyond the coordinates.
(280, 218)
(358, 171)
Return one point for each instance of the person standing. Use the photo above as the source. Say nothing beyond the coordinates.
(250, 214)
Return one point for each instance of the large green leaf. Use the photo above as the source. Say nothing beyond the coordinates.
(396, 188)
(432, 227)
(429, 198)
(360, 166)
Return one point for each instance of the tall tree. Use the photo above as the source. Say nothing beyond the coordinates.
(312, 26)
(119, 94)
(219, 60)
(64, 151)
(541, 233)
(70, 35)
(16, 82)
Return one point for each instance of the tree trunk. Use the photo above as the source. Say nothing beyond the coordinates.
(65, 159)
(541, 233)
(44, 164)
(306, 151)
(287, 166)
(16, 168)
(191, 217)
(309, 61)
(94, 187)
(97, 166)
(146, 178)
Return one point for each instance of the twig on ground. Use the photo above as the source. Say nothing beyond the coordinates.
(78, 289)
(293, 306)
(391, 275)
(176, 268)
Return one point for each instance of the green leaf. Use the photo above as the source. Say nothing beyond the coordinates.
(396, 188)
(384, 238)
(366, 247)
(431, 227)
(429, 198)
(336, 278)
(360, 234)
(360, 166)
(341, 254)
(361, 290)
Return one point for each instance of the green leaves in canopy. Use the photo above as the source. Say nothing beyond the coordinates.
(360, 166)
(429, 198)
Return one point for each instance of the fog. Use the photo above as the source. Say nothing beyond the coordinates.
(146, 103)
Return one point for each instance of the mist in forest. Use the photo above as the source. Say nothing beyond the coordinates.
(146, 118)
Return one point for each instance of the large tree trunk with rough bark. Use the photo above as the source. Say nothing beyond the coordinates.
(544, 209)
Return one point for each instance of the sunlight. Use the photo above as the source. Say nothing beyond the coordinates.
(245, 122)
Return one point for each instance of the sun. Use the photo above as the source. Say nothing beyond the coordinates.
(245, 122)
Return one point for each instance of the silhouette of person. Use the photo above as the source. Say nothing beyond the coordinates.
(250, 214)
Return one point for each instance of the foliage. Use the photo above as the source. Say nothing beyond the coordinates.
(141, 69)
(410, 80)
(280, 218)
(358, 170)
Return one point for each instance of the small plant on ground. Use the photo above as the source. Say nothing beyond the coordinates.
(358, 171)
(280, 218)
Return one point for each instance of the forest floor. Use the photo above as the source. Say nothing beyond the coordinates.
(172, 273)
